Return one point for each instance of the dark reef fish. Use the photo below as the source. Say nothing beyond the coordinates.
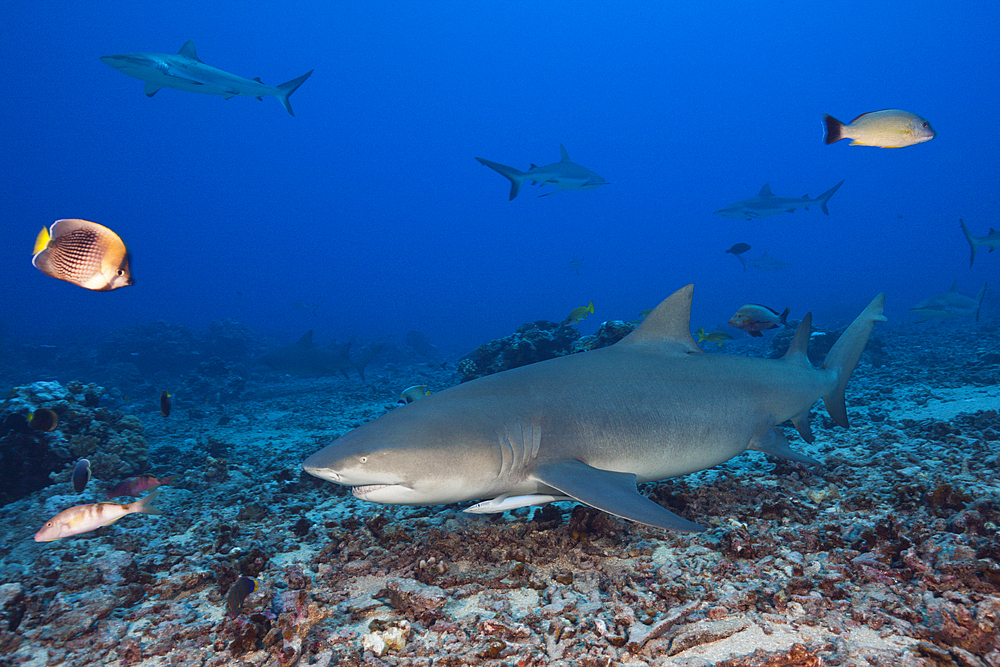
(133, 486)
(414, 393)
(739, 248)
(164, 404)
(589, 426)
(44, 419)
(81, 475)
(754, 318)
(239, 592)
(303, 358)
(83, 253)
(85, 518)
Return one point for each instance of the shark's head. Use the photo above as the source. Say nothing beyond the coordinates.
(137, 65)
(400, 458)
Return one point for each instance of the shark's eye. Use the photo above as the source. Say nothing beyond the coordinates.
(363, 459)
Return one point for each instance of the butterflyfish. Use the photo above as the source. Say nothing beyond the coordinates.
(83, 253)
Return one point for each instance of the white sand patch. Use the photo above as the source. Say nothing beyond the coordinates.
(946, 403)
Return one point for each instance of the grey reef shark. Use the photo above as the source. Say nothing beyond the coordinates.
(950, 305)
(763, 263)
(565, 175)
(185, 71)
(766, 203)
(589, 426)
(305, 359)
(991, 240)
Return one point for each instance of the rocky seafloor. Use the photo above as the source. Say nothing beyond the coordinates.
(888, 555)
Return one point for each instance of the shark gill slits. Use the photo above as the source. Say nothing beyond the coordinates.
(83, 253)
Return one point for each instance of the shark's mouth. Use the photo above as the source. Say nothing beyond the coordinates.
(384, 493)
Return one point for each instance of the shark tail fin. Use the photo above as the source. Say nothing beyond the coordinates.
(844, 356)
(834, 129)
(972, 241)
(979, 300)
(515, 176)
(287, 88)
(363, 361)
(825, 197)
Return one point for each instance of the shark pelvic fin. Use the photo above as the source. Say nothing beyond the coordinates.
(150, 89)
(669, 322)
(775, 443)
(611, 492)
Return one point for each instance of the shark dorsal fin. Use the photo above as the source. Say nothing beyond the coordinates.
(563, 155)
(954, 286)
(257, 79)
(670, 322)
(765, 191)
(306, 340)
(797, 349)
(188, 51)
(533, 166)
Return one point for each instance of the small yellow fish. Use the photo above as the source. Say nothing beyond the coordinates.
(888, 128)
(578, 314)
(83, 253)
(414, 393)
(85, 518)
(717, 337)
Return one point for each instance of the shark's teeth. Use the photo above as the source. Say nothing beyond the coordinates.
(362, 491)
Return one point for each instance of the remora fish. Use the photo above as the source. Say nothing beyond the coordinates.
(888, 128)
(589, 426)
(991, 240)
(950, 305)
(565, 175)
(185, 71)
(767, 203)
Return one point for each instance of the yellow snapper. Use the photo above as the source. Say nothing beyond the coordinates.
(888, 128)
(83, 253)
(717, 337)
(578, 314)
(85, 518)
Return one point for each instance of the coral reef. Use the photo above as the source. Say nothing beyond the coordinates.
(530, 343)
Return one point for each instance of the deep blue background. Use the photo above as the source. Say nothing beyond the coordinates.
(370, 201)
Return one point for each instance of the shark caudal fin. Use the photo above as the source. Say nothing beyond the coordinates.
(516, 176)
(844, 356)
(363, 361)
(972, 241)
(979, 300)
(287, 88)
(825, 197)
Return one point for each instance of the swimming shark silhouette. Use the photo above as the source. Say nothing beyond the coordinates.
(304, 359)
(185, 71)
(991, 240)
(763, 263)
(589, 426)
(565, 175)
(950, 305)
(767, 203)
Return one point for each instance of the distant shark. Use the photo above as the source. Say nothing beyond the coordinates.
(565, 175)
(185, 71)
(589, 426)
(950, 305)
(767, 203)
(303, 358)
(763, 263)
(991, 240)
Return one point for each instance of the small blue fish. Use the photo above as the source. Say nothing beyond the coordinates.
(239, 592)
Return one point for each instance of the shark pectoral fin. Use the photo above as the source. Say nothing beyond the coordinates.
(611, 492)
(151, 89)
(775, 443)
(505, 502)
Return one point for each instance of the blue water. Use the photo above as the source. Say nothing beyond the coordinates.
(370, 200)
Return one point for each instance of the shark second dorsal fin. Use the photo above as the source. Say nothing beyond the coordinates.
(954, 286)
(188, 51)
(798, 349)
(670, 322)
(765, 191)
(563, 155)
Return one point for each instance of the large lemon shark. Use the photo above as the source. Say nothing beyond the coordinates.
(589, 426)
(185, 71)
